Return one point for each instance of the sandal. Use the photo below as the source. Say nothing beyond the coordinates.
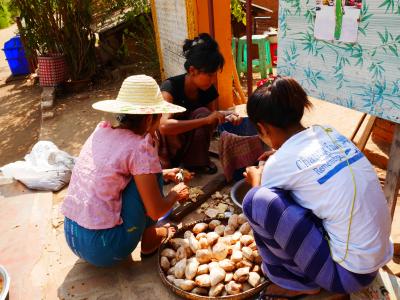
(170, 234)
(209, 170)
(269, 296)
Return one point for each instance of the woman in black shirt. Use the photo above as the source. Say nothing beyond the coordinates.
(185, 137)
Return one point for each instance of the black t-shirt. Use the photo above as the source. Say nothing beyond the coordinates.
(176, 87)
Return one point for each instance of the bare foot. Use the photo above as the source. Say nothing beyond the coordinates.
(278, 293)
(154, 236)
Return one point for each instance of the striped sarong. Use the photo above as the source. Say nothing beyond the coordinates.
(290, 238)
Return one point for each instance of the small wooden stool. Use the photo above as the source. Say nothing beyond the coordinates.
(263, 63)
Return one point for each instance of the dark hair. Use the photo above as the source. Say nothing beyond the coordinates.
(134, 123)
(203, 53)
(280, 104)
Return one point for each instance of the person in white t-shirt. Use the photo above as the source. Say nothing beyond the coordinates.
(317, 209)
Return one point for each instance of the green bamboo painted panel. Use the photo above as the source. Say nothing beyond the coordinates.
(364, 76)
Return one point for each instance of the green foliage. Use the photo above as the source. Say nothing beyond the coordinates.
(5, 15)
(364, 17)
(389, 42)
(392, 6)
(312, 77)
(122, 9)
(61, 26)
(141, 34)
(78, 39)
(238, 11)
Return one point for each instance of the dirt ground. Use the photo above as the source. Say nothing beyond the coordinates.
(57, 272)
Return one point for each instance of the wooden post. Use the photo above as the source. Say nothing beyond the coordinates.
(392, 181)
(366, 133)
(249, 43)
(211, 17)
(223, 35)
(30, 55)
(210, 188)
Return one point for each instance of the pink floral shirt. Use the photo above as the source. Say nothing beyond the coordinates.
(105, 165)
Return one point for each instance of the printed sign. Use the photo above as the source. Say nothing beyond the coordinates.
(361, 74)
(337, 20)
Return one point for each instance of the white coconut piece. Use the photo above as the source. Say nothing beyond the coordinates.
(169, 253)
(220, 229)
(216, 290)
(164, 263)
(191, 268)
(185, 284)
(202, 269)
(233, 288)
(242, 274)
(220, 251)
(233, 221)
(248, 253)
(228, 277)
(246, 239)
(212, 238)
(217, 275)
(236, 256)
(181, 253)
(203, 256)
(227, 265)
(254, 279)
(180, 268)
(193, 244)
(229, 229)
(245, 228)
(242, 219)
(199, 227)
(200, 291)
(211, 212)
(213, 224)
(203, 280)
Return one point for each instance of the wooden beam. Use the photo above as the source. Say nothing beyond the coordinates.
(157, 36)
(259, 7)
(364, 115)
(210, 188)
(236, 84)
(366, 133)
(223, 35)
(392, 182)
(211, 17)
(249, 43)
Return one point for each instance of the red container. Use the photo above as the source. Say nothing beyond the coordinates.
(52, 69)
(274, 53)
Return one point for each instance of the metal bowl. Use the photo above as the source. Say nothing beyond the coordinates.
(238, 191)
(6, 283)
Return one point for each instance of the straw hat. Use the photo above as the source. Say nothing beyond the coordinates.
(139, 94)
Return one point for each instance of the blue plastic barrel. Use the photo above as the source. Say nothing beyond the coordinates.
(15, 56)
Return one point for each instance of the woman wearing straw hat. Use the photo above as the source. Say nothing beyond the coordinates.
(185, 138)
(115, 193)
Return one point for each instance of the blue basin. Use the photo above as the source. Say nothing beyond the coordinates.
(238, 191)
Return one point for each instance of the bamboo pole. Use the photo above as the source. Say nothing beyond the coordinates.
(249, 42)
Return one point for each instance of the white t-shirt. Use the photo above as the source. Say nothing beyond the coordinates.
(316, 170)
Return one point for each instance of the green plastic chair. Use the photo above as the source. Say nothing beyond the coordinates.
(263, 64)
(234, 51)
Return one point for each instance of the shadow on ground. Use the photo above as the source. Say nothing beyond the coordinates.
(19, 119)
(131, 279)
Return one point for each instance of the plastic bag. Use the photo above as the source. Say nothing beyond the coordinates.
(45, 168)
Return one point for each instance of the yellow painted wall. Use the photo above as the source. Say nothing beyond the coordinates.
(223, 35)
(198, 21)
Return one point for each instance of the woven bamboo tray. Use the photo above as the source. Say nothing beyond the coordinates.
(191, 296)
